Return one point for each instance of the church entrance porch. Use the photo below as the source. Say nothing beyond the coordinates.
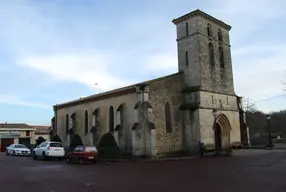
(218, 137)
(222, 130)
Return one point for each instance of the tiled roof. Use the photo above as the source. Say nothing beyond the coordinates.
(41, 129)
(99, 96)
(14, 125)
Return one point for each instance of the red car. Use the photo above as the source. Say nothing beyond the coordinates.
(82, 154)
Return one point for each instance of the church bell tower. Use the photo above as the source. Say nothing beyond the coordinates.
(204, 58)
(204, 52)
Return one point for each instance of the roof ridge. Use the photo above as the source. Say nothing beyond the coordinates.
(115, 90)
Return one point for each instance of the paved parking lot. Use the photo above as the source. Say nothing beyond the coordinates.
(245, 171)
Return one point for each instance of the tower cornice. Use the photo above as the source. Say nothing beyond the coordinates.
(203, 15)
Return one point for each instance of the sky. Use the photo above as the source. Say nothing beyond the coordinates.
(53, 51)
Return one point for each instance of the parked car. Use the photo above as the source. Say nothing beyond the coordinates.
(82, 154)
(49, 149)
(18, 149)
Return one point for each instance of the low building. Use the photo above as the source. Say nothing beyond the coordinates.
(16, 133)
(20, 133)
(42, 131)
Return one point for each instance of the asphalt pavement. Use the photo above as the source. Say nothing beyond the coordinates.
(246, 170)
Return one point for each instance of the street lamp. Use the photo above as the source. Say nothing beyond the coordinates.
(215, 113)
(269, 132)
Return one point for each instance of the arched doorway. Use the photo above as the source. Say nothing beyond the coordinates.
(218, 137)
(222, 130)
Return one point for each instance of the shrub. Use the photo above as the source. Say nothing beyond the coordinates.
(40, 140)
(56, 138)
(76, 141)
(107, 147)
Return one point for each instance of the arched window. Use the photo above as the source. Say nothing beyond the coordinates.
(221, 57)
(219, 34)
(96, 117)
(209, 30)
(187, 29)
(168, 118)
(211, 54)
(187, 58)
(86, 122)
(111, 119)
(67, 123)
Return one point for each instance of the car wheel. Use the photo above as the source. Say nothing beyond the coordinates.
(93, 161)
(7, 152)
(44, 156)
(14, 153)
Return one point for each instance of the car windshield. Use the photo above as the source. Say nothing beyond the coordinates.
(20, 146)
(90, 149)
(56, 145)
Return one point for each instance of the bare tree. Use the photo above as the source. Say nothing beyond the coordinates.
(247, 105)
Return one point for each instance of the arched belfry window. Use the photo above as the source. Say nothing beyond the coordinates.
(111, 119)
(221, 57)
(219, 34)
(209, 30)
(86, 122)
(187, 58)
(168, 118)
(67, 123)
(187, 29)
(211, 54)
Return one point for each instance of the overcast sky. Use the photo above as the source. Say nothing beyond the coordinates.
(53, 51)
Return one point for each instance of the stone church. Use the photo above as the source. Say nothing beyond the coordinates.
(177, 112)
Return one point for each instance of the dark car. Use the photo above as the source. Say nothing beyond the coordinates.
(82, 154)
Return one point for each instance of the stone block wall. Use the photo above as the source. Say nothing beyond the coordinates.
(167, 89)
(215, 78)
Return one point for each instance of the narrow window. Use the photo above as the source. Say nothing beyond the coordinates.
(67, 123)
(86, 122)
(219, 34)
(27, 133)
(211, 54)
(187, 29)
(96, 117)
(111, 119)
(220, 104)
(209, 30)
(95, 126)
(168, 120)
(212, 99)
(221, 57)
(187, 58)
(227, 100)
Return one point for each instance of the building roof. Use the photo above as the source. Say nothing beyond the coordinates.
(113, 93)
(14, 126)
(41, 129)
(203, 15)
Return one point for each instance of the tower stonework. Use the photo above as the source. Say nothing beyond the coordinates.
(204, 58)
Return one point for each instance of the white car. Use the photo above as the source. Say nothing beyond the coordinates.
(49, 149)
(18, 149)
